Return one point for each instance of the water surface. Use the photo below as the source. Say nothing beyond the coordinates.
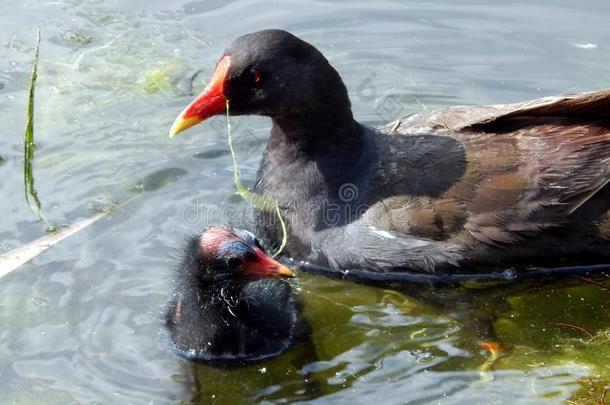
(81, 323)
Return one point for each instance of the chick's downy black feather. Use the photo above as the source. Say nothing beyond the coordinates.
(217, 314)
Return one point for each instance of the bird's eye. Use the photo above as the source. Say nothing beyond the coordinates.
(255, 75)
(234, 262)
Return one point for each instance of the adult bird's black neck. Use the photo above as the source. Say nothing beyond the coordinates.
(323, 128)
(331, 137)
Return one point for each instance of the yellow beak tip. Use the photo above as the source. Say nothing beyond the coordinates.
(284, 271)
(182, 124)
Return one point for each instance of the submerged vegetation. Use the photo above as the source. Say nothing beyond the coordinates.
(78, 38)
(162, 79)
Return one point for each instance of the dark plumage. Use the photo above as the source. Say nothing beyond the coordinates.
(225, 307)
(444, 191)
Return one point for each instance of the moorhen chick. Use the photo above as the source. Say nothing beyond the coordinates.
(228, 305)
(441, 191)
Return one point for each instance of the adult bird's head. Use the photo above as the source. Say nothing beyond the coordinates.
(271, 73)
(231, 254)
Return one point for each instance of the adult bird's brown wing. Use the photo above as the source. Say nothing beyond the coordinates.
(529, 167)
(581, 106)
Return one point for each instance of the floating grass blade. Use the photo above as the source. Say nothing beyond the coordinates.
(13, 259)
(259, 201)
(28, 144)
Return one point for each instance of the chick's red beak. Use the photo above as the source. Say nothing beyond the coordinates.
(264, 266)
(209, 103)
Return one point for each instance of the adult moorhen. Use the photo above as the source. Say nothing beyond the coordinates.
(226, 307)
(433, 192)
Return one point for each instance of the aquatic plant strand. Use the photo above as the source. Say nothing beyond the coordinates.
(28, 143)
(258, 201)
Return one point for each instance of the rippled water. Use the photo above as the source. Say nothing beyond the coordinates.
(81, 323)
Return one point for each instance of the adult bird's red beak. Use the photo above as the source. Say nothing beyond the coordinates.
(209, 103)
(262, 266)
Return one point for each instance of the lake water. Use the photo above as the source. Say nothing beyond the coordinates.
(81, 323)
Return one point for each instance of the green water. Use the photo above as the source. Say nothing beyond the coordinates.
(81, 323)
